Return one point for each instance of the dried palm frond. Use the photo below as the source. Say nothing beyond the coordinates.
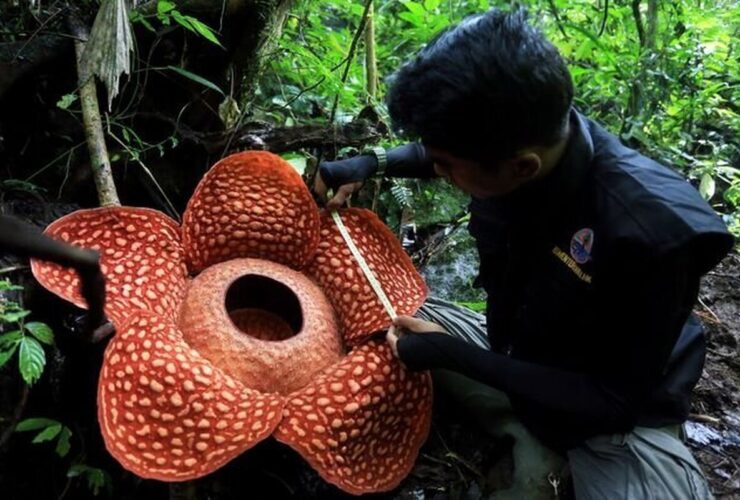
(108, 50)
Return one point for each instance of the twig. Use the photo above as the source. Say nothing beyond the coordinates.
(708, 419)
(15, 417)
(603, 20)
(10, 269)
(716, 318)
(38, 30)
(350, 55)
(170, 207)
(556, 14)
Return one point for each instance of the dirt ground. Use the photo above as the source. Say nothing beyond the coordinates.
(714, 426)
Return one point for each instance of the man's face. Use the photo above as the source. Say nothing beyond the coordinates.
(478, 179)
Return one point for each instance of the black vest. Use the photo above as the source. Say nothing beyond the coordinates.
(550, 253)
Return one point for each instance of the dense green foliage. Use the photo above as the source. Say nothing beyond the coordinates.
(667, 81)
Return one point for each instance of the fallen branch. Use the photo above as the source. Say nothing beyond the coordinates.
(707, 419)
(259, 135)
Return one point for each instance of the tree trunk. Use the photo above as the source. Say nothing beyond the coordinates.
(99, 160)
(262, 25)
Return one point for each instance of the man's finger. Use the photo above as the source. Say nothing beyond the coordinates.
(417, 325)
(341, 196)
(392, 340)
(319, 187)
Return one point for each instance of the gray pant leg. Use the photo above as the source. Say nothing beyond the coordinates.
(491, 408)
(643, 464)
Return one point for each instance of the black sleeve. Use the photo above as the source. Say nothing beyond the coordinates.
(643, 306)
(409, 160)
(21, 238)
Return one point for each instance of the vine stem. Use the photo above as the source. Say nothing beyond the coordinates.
(15, 417)
(351, 55)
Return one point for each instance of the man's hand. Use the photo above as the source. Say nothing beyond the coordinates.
(403, 324)
(96, 326)
(344, 176)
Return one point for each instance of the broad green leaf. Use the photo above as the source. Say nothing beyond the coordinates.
(14, 316)
(197, 79)
(8, 340)
(32, 424)
(41, 331)
(48, 434)
(63, 445)
(411, 18)
(165, 6)
(707, 186)
(431, 5)
(415, 8)
(66, 101)
(31, 359)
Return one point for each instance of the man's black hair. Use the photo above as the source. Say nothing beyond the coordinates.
(484, 89)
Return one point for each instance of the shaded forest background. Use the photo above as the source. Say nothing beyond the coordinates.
(305, 79)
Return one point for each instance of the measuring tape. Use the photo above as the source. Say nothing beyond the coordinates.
(374, 283)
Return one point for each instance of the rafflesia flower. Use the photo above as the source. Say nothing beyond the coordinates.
(252, 319)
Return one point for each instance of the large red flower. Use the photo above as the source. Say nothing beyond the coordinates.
(236, 326)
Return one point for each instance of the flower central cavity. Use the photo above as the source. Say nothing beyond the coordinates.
(263, 323)
(264, 308)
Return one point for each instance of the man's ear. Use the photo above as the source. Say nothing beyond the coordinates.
(526, 165)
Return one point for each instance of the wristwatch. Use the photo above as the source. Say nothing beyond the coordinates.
(382, 157)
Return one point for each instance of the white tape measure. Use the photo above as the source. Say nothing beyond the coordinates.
(374, 283)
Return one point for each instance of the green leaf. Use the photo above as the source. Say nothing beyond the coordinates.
(66, 101)
(298, 163)
(707, 186)
(6, 285)
(32, 424)
(7, 353)
(8, 340)
(14, 316)
(41, 331)
(164, 7)
(96, 478)
(48, 434)
(203, 30)
(431, 5)
(63, 445)
(197, 79)
(415, 8)
(136, 17)
(31, 359)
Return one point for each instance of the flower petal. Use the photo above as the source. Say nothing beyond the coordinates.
(251, 204)
(140, 253)
(339, 275)
(362, 422)
(166, 413)
(222, 297)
